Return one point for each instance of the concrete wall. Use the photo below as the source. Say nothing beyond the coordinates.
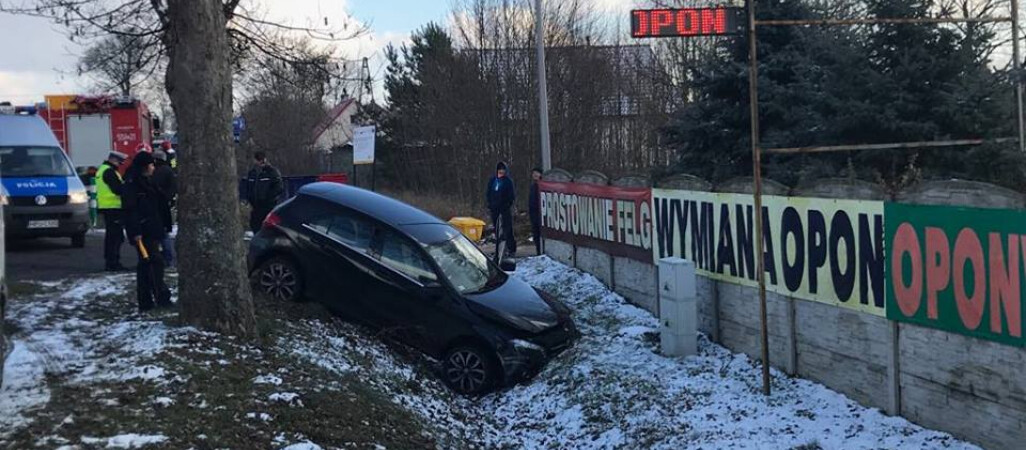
(636, 281)
(973, 388)
(739, 322)
(851, 352)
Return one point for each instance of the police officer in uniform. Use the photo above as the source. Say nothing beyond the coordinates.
(108, 202)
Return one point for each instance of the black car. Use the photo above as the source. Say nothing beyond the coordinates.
(391, 266)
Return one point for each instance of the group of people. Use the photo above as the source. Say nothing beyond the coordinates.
(501, 197)
(138, 205)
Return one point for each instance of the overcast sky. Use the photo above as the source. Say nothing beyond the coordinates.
(36, 58)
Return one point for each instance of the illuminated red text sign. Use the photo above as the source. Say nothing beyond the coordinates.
(686, 22)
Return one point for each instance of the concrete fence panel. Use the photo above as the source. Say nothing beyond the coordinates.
(970, 387)
(739, 320)
(636, 281)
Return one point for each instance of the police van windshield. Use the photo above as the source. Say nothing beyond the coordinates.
(34, 162)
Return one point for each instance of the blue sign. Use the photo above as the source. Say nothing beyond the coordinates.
(238, 126)
(25, 187)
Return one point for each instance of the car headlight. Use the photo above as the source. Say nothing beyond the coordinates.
(521, 344)
(78, 197)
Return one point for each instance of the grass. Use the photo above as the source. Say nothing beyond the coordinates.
(210, 383)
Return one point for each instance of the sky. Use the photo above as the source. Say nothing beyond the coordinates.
(36, 58)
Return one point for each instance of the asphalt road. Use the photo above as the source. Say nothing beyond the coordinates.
(55, 259)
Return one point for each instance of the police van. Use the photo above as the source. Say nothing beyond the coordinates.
(44, 196)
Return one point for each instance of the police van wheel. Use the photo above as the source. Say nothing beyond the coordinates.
(78, 240)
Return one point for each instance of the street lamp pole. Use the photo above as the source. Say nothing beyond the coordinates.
(543, 92)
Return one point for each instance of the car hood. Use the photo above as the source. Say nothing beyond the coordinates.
(517, 304)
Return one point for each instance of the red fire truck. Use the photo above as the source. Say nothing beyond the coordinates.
(89, 128)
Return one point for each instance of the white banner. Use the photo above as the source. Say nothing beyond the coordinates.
(363, 145)
(824, 250)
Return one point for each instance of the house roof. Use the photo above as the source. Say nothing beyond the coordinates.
(332, 116)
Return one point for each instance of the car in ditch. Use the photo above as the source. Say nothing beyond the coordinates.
(377, 261)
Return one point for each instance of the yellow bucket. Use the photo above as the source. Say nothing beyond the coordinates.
(470, 227)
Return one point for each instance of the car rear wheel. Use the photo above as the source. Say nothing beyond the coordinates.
(469, 370)
(280, 278)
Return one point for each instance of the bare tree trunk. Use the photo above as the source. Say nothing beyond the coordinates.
(214, 290)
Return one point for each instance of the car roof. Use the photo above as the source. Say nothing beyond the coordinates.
(23, 130)
(383, 208)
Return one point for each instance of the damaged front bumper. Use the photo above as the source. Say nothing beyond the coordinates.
(523, 358)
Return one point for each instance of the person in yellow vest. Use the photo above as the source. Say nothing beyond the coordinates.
(108, 202)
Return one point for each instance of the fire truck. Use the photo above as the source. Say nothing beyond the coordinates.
(89, 128)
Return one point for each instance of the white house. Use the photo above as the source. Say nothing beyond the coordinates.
(336, 130)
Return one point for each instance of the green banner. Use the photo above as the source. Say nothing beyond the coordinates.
(957, 269)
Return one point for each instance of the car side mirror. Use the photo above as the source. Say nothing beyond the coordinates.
(508, 265)
(432, 287)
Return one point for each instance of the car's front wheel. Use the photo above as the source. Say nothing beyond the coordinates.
(469, 370)
(281, 279)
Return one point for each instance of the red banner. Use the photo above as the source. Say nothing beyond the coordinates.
(613, 219)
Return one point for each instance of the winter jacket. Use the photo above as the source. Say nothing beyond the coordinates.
(534, 203)
(142, 203)
(264, 187)
(166, 181)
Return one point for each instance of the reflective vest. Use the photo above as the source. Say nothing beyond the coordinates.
(105, 197)
(174, 163)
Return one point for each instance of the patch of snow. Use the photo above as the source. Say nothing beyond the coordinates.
(290, 398)
(613, 389)
(267, 379)
(24, 387)
(163, 402)
(145, 372)
(131, 440)
(261, 416)
(307, 445)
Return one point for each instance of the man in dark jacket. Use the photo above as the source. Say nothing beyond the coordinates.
(167, 183)
(142, 202)
(501, 196)
(264, 190)
(534, 209)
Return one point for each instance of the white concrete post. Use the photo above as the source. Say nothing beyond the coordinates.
(678, 307)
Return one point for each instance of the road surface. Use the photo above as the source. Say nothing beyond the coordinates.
(55, 259)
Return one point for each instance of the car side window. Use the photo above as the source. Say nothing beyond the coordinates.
(400, 254)
(347, 228)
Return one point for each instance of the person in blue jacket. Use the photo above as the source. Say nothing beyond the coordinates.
(501, 195)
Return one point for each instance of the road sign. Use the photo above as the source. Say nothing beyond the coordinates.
(363, 145)
(718, 21)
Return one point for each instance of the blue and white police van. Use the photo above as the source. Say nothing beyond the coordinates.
(44, 196)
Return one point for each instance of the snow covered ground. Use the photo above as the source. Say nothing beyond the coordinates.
(612, 390)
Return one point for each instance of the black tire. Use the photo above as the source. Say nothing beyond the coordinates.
(78, 240)
(470, 370)
(280, 278)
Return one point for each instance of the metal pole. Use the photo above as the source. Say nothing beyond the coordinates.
(753, 93)
(1017, 74)
(543, 90)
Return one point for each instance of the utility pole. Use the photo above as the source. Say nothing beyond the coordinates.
(1017, 74)
(753, 94)
(543, 91)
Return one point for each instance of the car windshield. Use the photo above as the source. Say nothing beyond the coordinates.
(465, 266)
(34, 162)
